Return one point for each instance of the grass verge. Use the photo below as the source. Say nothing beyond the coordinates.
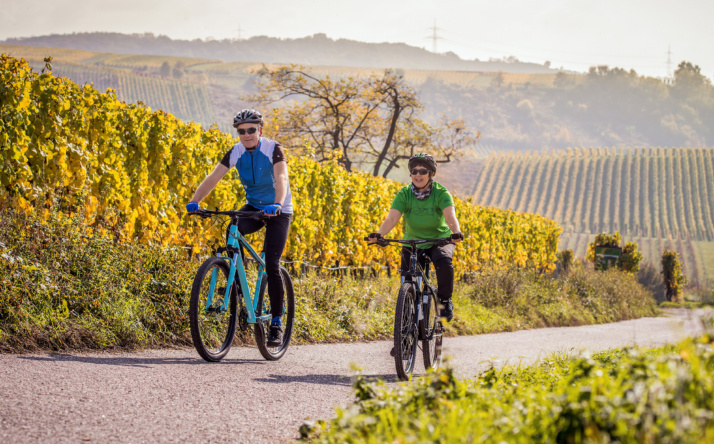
(62, 290)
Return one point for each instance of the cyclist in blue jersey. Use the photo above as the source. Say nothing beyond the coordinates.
(263, 170)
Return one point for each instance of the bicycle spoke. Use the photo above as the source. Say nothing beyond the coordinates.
(212, 318)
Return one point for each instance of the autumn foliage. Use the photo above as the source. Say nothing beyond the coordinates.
(131, 169)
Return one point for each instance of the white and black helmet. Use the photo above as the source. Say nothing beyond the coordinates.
(247, 116)
(423, 159)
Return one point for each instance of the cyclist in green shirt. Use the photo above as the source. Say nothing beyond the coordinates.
(429, 213)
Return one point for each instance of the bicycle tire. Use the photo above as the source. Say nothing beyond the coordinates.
(431, 332)
(212, 330)
(405, 331)
(262, 327)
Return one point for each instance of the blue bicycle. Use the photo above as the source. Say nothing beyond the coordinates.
(221, 297)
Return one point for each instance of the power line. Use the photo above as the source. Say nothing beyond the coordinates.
(434, 37)
(669, 61)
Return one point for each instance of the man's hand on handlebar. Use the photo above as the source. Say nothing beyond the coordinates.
(457, 237)
(273, 210)
(192, 207)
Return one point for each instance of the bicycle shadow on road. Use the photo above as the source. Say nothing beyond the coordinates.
(141, 362)
(342, 380)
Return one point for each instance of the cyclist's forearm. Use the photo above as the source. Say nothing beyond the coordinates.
(209, 183)
(390, 222)
(280, 170)
(451, 221)
(202, 191)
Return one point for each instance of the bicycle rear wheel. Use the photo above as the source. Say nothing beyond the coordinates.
(213, 324)
(263, 327)
(405, 331)
(430, 329)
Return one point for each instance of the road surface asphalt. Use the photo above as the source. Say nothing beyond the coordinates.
(173, 395)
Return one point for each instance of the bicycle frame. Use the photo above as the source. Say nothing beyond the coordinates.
(235, 242)
(414, 320)
(415, 270)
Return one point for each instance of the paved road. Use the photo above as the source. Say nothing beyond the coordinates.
(172, 395)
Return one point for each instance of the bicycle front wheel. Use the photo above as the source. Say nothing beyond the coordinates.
(212, 319)
(263, 327)
(431, 330)
(405, 331)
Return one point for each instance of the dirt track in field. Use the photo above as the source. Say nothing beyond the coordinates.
(172, 395)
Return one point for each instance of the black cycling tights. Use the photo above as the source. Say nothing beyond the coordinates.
(441, 257)
(276, 235)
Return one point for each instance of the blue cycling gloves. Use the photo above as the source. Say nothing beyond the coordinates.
(273, 209)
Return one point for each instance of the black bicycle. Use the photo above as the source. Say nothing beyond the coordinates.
(416, 318)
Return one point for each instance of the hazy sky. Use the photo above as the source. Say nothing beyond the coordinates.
(574, 34)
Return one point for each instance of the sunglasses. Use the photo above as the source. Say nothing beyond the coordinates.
(243, 131)
(422, 171)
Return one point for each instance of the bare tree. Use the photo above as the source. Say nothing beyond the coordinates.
(367, 122)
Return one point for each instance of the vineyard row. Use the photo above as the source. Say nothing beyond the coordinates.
(643, 192)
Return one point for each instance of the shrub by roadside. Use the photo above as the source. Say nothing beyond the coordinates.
(62, 290)
(631, 396)
(517, 299)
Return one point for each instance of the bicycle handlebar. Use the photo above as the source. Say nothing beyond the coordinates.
(412, 242)
(208, 213)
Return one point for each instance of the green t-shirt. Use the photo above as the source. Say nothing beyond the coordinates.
(424, 218)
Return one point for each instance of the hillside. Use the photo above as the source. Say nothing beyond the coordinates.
(314, 50)
(209, 91)
(657, 197)
(513, 111)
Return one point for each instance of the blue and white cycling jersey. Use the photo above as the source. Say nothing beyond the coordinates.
(255, 169)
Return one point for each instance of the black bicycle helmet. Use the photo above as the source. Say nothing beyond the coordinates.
(247, 116)
(423, 159)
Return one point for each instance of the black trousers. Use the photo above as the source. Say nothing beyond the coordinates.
(276, 236)
(441, 257)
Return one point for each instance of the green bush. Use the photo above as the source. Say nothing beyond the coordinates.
(674, 278)
(629, 396)
(63, 290)
(631, 258)
(527, 299)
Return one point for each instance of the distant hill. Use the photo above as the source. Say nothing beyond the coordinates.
(315, 50)
(605, 107)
